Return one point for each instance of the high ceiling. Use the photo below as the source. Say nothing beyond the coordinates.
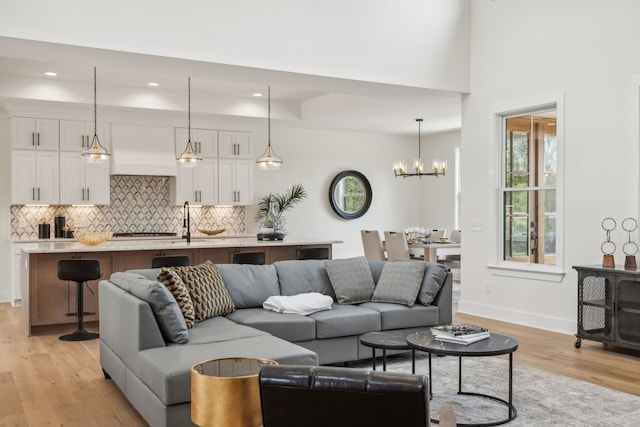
(298, 100)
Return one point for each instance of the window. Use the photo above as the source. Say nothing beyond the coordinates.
(530, 188)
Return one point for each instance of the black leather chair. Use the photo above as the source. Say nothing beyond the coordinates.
(79, 271)
(324, 396)
(313, 253)
(256, 258)
(170, 261)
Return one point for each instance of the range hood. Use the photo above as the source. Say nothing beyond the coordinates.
(143, 150)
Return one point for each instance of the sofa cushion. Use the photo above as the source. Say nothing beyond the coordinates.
(219, 329)
(302, 276)
(398, 316)
(167, 370)
(163, 305)
(291, 327)
(176, 286)
(351, 279)
(399, 282)
(208, 292)
(345, 320)
(249, 285)
(434, 276)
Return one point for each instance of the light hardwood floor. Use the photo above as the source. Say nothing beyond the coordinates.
(48, 382)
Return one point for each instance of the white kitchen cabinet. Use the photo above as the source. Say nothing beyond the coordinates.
(78, 135)
(235, 182)
(196, 185)
(83, 183)
(234, 145)
(35, 177)
(204, 141)
(35, 134)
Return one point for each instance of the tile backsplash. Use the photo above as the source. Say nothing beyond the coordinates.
(138, 204)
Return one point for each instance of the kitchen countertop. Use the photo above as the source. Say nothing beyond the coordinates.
(158, 243)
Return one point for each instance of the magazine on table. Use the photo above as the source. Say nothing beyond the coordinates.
(462, 334)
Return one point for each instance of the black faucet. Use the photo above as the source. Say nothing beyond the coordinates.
(186, 222)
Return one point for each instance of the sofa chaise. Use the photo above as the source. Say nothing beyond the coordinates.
(137, 352)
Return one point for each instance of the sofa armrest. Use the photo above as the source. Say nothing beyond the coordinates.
(127, 324)
(444, 300)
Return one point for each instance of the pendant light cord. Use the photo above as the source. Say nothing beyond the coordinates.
(95, 103)
(419, 154)
(189, 114)
(269, 120)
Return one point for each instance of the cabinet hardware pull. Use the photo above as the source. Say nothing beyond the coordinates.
(38, 139)
(33, 193)
(38, 193)
(83, 194)
(88, 198)
(33, 138)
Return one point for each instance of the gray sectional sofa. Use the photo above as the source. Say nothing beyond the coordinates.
(154, 373)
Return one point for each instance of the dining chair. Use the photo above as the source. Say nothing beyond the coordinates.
(396, 244)
(436, 234)
(372, 244)
(454, 236)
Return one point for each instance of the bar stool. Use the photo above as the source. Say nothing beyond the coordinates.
(79, 271)
(256, 258)
(170, 261)
(313, 253)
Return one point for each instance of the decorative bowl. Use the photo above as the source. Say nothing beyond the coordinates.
(92, 238)
(211, 232)
(444, 239)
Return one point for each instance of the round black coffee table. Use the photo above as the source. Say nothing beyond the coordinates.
(387, 340)
(495, 345)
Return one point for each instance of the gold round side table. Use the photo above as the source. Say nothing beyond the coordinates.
(225, 392)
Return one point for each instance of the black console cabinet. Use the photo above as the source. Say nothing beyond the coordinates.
(608, 306)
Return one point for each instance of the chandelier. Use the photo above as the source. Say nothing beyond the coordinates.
(438, 167)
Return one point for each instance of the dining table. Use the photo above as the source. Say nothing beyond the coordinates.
(431, 248)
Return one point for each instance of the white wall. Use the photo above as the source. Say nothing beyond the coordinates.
(314, 157)
(5, 195)
(522, 49)
(414, 42)
(438, 207)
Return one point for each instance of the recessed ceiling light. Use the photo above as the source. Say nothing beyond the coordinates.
(257, 94)
(50, 74)
(153, 84)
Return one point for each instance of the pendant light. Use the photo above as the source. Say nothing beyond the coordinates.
(439, 167)
(188, 158)
(96, 153)
(269, 160)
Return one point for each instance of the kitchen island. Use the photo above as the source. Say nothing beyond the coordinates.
(47, 300)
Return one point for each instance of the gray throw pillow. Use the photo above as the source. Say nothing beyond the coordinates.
(303, 276)
(163, 305)
(249, 285)
(434, 276)
(351, 280)
(399, 282)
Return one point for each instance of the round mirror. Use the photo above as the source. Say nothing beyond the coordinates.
(350, 194)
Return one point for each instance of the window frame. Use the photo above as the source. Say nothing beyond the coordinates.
(500, 113)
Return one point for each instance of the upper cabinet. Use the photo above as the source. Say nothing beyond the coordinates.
(204, 141)
(196, 185)
(83, 183)
(235, 182)
(35, 134)
(234, 145)
(78, 136)
(35, 177)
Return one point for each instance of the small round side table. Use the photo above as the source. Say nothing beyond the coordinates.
(225, 392)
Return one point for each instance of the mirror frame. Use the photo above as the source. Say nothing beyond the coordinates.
(367, 188)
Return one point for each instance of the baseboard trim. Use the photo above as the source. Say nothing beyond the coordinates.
(519, 317)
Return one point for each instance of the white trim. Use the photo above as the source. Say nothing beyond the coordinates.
(635, 121)
(523, 106)
(457, 187)
(527, 271)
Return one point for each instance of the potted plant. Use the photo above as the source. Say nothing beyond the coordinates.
(270, 209)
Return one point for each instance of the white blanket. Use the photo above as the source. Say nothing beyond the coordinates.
(299, 304)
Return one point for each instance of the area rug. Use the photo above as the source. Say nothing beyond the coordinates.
(541, 398)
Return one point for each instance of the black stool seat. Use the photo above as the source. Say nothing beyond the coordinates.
(170, 261)
(256, 258)
(79, 271)
(313, 253)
